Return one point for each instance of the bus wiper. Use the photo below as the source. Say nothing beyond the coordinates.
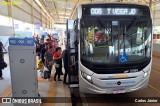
(132, 25)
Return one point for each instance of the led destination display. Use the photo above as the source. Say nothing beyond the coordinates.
(114, 11)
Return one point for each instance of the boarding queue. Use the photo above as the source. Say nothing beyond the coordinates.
(50, 56)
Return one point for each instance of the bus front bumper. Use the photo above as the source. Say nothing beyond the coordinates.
(87, 87)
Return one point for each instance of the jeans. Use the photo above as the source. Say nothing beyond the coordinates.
(49, 70)
(0, 72)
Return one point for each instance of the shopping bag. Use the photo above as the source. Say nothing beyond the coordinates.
(56, 65)
(3, 65)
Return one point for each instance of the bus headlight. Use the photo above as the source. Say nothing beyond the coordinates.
(87, 77)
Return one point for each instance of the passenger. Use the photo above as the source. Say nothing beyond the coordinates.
(58, 63)
(100, 37)
(42, 44)
(1, 60)
(38, 50)
(35, 40)
(48, 41)
(42, 37)
(49, 60)
(65, 62)
(49, 36)
(88, 47)
(43, 51)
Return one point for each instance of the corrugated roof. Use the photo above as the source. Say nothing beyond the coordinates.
(61, 10)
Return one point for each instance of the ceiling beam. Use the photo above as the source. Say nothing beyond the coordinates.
(43, 6)
(54, 6)
(146, 1)
(64, 15)
(150, 3)
(106, 0)
(73, 1)
(61, 9)
(74, 9)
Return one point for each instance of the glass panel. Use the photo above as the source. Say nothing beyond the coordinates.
(72, 54)
(103, 41)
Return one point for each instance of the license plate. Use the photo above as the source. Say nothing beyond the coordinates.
(118, 91)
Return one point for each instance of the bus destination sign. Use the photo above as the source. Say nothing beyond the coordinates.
(114, 11)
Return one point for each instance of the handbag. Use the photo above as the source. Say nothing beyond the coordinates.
(56, 65)
(3, 65)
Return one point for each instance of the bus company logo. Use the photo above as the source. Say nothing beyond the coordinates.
(11, 2)
(6, 100)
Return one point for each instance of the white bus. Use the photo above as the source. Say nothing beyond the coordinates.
(112, 46)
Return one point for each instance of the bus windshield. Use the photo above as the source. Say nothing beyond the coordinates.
(106, 40)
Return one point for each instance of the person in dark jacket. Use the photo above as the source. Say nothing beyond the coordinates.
(49, 60)
(38, 50)
(1, 59)
(65, 61)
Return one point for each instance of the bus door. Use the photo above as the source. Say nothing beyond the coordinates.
(72, 46)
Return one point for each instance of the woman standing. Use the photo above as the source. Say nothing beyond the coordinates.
(49, 60)
(57, 57)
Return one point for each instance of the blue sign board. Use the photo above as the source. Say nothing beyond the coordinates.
(123, 58)
(37, 25)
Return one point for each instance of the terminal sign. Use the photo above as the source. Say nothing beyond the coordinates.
(114, 11)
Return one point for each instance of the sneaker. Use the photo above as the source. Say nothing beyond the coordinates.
(1, 78)
(59, 80)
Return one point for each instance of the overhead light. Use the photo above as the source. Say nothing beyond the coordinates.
(39, 3)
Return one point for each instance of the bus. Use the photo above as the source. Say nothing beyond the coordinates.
(110, 48)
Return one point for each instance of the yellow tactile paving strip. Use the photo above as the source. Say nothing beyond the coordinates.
(6, 92)
(51, 92)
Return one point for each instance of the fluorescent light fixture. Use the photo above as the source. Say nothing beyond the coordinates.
(39, 3)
